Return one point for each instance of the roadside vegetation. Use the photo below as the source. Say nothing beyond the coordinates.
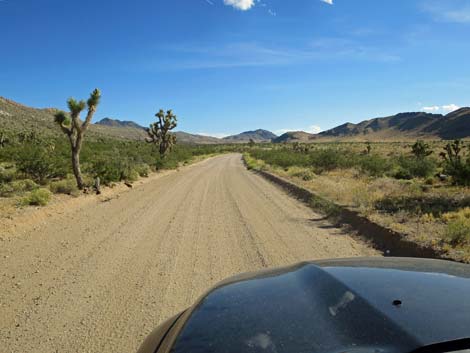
(34, 165)
(418, 189)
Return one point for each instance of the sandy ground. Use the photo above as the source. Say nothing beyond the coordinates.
(100, 275)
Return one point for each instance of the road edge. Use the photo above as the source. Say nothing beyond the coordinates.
(390, 242)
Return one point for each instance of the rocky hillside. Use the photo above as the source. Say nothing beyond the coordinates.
(17, 117)
(406, 126)
(295, 136)
(259, 135)
(118, 123)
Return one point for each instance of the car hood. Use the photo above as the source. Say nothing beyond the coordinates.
(352, 305)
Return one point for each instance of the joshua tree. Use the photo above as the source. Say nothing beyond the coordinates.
(75, 128)
(421, 149)
(451, 154)
(159, 132)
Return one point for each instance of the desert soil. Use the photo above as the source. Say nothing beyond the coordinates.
(99, 276)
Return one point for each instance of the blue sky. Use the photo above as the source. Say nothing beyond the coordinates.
(225, 66)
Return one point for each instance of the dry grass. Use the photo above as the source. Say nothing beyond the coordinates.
(429, 212)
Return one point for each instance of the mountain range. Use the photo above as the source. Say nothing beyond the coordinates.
(400, 127)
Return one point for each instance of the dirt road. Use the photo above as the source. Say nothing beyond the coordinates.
(100, 277)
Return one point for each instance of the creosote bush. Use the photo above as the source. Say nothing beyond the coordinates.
(17, 187)
(38, 197)
(458, 227)
(66, 186)
(7, 172)
(410, 167)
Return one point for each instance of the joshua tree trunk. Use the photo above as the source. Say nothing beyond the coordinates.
(75, 129)
(76, 167)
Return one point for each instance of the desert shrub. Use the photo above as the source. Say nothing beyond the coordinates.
(38, 197)
(329, 159)
(325, 206)
(66, 186)
(375, 165)
(458, 226)
(108, 170)
(17, 187)
(7, 172)
(129, 174)
(39, 163)
(283, 158)
(458, 232)
(142, 169)
(410, 167)
(305, 175)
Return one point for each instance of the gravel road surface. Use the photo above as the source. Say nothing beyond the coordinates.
(99, 277)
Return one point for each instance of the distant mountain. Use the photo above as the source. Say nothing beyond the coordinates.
(184, 137)
(118, 123)
(256, 135)
(295, 136)
(16, 117)
(406, 126)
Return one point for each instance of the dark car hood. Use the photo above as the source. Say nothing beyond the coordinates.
(357, 305)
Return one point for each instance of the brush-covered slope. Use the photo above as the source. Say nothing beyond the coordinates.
(16, 117)
(118, 123)
(406, 126)
(259, 135)
(295, 136)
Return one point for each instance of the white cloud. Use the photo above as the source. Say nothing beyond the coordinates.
(450, 108)
(431, 109)
(214, 134)
(456, 11)
(440, 108)
(312, 129)
(328, 1)
(240, 4)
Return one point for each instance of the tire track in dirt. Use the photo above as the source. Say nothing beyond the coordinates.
(101, 277)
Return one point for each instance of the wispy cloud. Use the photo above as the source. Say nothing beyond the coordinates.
(456, 11)
(242, 5)
(444, 109)
(333, 47)
(328, 1)
(214, 134)
(312, 129)
(253, 54)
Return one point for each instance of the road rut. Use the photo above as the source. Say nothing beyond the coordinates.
(99, 278)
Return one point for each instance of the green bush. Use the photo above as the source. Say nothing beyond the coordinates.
(325, 206)
(410, 167)
(39, 163)
(108, 170)
(17, 187)
(39, 197)
(66, 186)
(375, 165)
(142, 169)
(458, 231)
(330, 159)
(7, 172)
(129, 174)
